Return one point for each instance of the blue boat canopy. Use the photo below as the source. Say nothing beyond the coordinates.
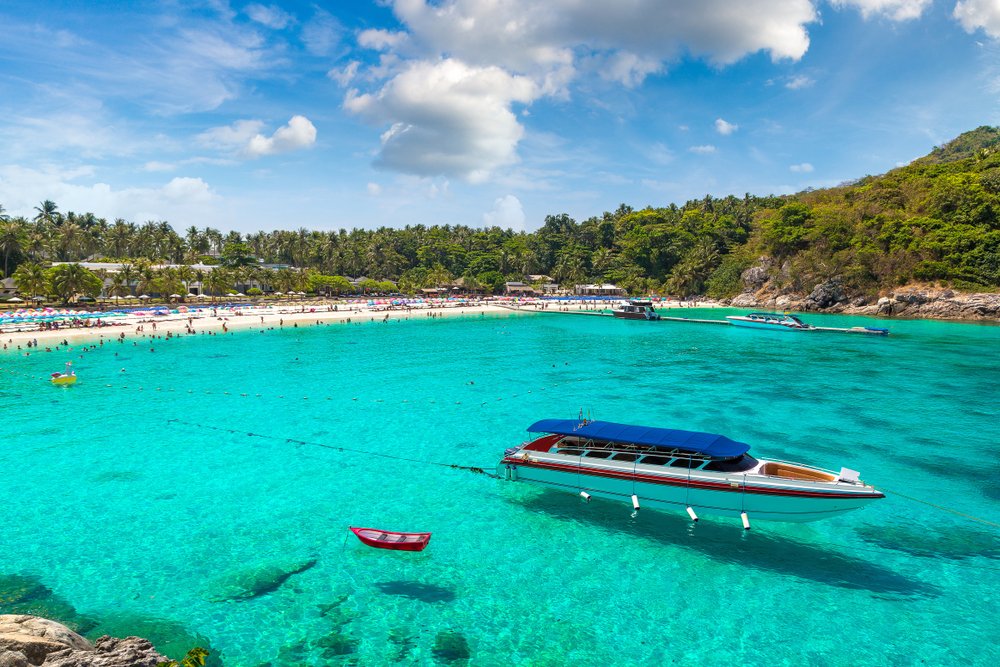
(709, 444)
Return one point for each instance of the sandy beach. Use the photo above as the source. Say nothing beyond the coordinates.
(206, 319)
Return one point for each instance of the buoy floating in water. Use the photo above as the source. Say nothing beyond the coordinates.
(746, 520)
(694, 517)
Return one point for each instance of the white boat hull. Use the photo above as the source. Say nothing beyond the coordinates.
(727, 494)
(770, 326)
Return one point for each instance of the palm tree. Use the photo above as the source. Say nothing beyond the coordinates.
(69, 280)
(47, 212)
(219, 281)
(118, 237)
(185, 275)
(11, 239)
(70, 242)
(31, 279)
(119, 284)
(128, 274)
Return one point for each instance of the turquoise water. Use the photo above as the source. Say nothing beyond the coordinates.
(122, 513)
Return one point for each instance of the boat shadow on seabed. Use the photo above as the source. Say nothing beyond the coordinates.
(724, 541)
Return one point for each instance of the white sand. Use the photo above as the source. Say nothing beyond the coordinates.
(275, 315)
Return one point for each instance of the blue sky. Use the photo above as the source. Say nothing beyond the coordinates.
(280, 115)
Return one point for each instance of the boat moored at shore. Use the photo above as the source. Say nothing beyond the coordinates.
(635, 309)
(773, 321)
(671, 469)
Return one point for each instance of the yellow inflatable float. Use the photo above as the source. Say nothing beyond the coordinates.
(67, 377)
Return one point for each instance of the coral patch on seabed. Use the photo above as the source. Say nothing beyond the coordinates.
(250, 584)
(416, 590)
(451, 647)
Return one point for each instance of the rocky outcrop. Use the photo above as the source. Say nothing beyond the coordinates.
(109, 652)
(825, 295)
(32, 639)
(27, 641)
(927, 303)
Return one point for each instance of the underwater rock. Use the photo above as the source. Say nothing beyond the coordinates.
(109, 652)
(171, 638)
(337, 644)
(28, 596)
(416, 590)
(260, 581)
(451, 646)
(404, 643)
(36, 637)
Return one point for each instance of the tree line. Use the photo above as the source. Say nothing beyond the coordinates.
(933, 220)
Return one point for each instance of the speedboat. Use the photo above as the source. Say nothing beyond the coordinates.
(635, 310)
(670, 469)
(773, 321)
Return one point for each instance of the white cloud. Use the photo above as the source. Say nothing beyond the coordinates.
(21, 188)
(975, 14)
(804, 168)
(702, 150)
(183, 188)
(232, 136)
(244, 137)
(321, 33)
(374, 189)
(427, 87)
(798, 82)
(446, 118)
(525, 34)
(380, 39)
(724, 128)
(269, 15)
(897, 10)
(507, 213)
(155, 165)
(346, 74)
(659, 153)
(298, 133)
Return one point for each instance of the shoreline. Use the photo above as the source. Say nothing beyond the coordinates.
(223, 319)
(220, 321)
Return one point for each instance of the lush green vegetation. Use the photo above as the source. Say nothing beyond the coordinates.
(935, 220)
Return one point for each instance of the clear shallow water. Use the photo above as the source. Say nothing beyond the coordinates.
(120, 512)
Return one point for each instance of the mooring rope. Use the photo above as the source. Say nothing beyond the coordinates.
(971, 517)
(235, 431)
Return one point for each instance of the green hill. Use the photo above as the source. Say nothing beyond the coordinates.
(968, 144)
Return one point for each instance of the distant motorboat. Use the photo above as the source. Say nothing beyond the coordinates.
(388, 539)
(635, 310)
(66, 377)
(672, 469)
(772, 321)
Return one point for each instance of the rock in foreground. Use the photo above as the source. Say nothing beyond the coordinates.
(109, 652)
(31, 641)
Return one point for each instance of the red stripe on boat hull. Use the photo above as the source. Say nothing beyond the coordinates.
(698, 484)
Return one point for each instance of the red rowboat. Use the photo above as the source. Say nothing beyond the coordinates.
(387, 539)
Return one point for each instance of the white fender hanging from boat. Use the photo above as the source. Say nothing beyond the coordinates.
(635, 502)
(585, 496)
(746, 520)
(694, 517)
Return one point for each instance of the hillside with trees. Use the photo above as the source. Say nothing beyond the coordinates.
(936, 220)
